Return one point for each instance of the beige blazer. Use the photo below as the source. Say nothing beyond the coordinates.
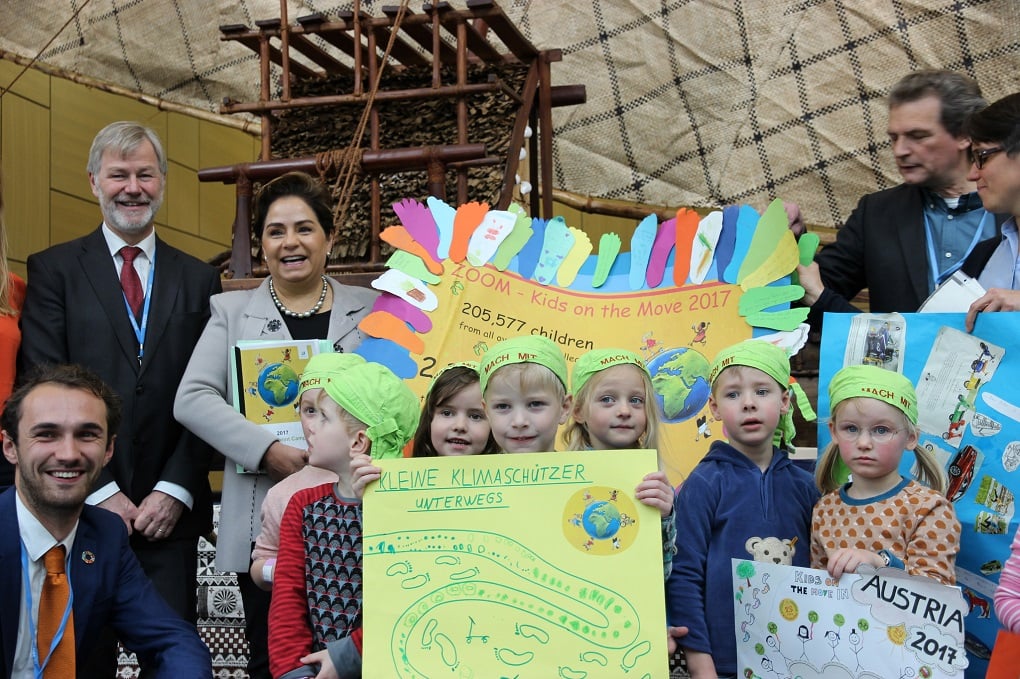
(204, 402)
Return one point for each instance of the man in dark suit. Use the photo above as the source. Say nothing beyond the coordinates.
(137, 334)
(58, 433)
(902, 242)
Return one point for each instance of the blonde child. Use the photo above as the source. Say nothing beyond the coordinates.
(524, 388)
(453, 418)
(744, 493)
(614, 409)
(873, 420)
(315, 614)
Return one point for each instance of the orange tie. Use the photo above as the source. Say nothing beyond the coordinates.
(52, 604)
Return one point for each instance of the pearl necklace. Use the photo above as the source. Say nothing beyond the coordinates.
(295, 314)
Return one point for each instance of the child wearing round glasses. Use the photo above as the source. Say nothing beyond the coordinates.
(879, 517)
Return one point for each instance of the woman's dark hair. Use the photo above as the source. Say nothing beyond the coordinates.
(999, 122)
(299, 185)
(446, 386)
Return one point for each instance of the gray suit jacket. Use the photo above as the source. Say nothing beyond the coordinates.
(204, 402)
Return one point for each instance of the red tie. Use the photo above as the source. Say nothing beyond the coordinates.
(52, 604)
(129, 280)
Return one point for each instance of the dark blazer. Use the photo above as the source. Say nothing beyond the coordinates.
(112, 590)
(882, 248)
(74, 313)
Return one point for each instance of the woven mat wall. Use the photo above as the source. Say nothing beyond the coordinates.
(690, 102)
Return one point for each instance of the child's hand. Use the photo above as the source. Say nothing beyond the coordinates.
(655, 491)
(847, 559)
(672, 634)
(321, 658)
(363, 472)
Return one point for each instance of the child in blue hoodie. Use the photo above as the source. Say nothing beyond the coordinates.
(745, 498)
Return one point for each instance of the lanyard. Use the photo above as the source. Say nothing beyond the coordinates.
(140, 330)
(933, 260)
(27, 583)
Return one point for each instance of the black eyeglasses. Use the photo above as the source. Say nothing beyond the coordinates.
(979, 156)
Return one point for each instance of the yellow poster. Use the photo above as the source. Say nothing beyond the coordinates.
(530, 566)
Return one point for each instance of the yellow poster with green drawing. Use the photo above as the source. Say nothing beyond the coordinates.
(533, 565)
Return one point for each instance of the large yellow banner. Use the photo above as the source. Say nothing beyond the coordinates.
(534, 565)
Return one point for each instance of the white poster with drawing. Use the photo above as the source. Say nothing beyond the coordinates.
(877, 624)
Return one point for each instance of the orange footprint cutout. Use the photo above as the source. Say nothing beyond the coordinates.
(686, 228)
(398, 237)
(385, 325)
(467, 219)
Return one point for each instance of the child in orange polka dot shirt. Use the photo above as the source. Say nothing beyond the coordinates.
(879, 517)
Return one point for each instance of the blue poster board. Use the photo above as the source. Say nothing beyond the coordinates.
(969, 410)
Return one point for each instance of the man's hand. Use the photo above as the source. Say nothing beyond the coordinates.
(996, 299)
(119, 504)
(157, 515)
(281, 460)
(811, 280)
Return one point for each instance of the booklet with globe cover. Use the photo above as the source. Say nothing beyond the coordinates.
(265, 376)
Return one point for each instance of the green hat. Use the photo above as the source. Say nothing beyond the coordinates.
(325, 366)
(523, 349)
(471, 365)
(774, 362)
(598, 360)
(869, 381)
(380, 399)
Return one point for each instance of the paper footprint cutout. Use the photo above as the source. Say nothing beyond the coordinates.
(556, 246)
(641, 249)
(575, 259)
(665, 241)
(773, 253)
(727, 239)
(443, 216)
(609, 248)
(412, 265)
(527, 258)
(398, 237)
(703, 246)
(387, 326)
(418, 221)
(747, 220)
(404, 311)
(759, 299)
(466, 220)
(807, 246)
(495, 227)
(389, 354)
(686, 230)
(778, 320)
(409, 289)
(513, 243)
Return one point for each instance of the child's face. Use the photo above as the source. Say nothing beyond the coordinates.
(615, 412)
(327, 434)
(458, 425)
(856, 424)
(524, 421)
(749, 403)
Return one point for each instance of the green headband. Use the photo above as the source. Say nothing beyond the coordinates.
(323, 367)
(380, 399)
(472, 365)
(869, 381)
(597, 360)
(774, 362)
(523, 349)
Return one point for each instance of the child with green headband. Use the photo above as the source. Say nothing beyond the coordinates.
(524, 388)
(315, 614)
(453, 418)
(873, 420)
(615, 409)
(744, 499)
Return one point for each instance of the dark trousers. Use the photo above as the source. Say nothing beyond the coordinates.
(172, 565)
(256, 626)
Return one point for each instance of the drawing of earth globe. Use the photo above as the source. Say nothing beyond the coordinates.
(601, 520)
(680, 378)
(278, 384)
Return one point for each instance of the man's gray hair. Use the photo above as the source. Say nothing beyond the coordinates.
(123, 137)
(959, 95)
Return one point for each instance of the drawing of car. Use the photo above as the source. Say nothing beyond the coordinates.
(961, 472)
(991, 567)
(973, 383)
(981, 362)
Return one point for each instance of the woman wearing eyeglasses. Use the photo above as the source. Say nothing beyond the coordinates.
(995, 151)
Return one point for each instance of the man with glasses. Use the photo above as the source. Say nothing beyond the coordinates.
(903, 242)
(995, 135)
